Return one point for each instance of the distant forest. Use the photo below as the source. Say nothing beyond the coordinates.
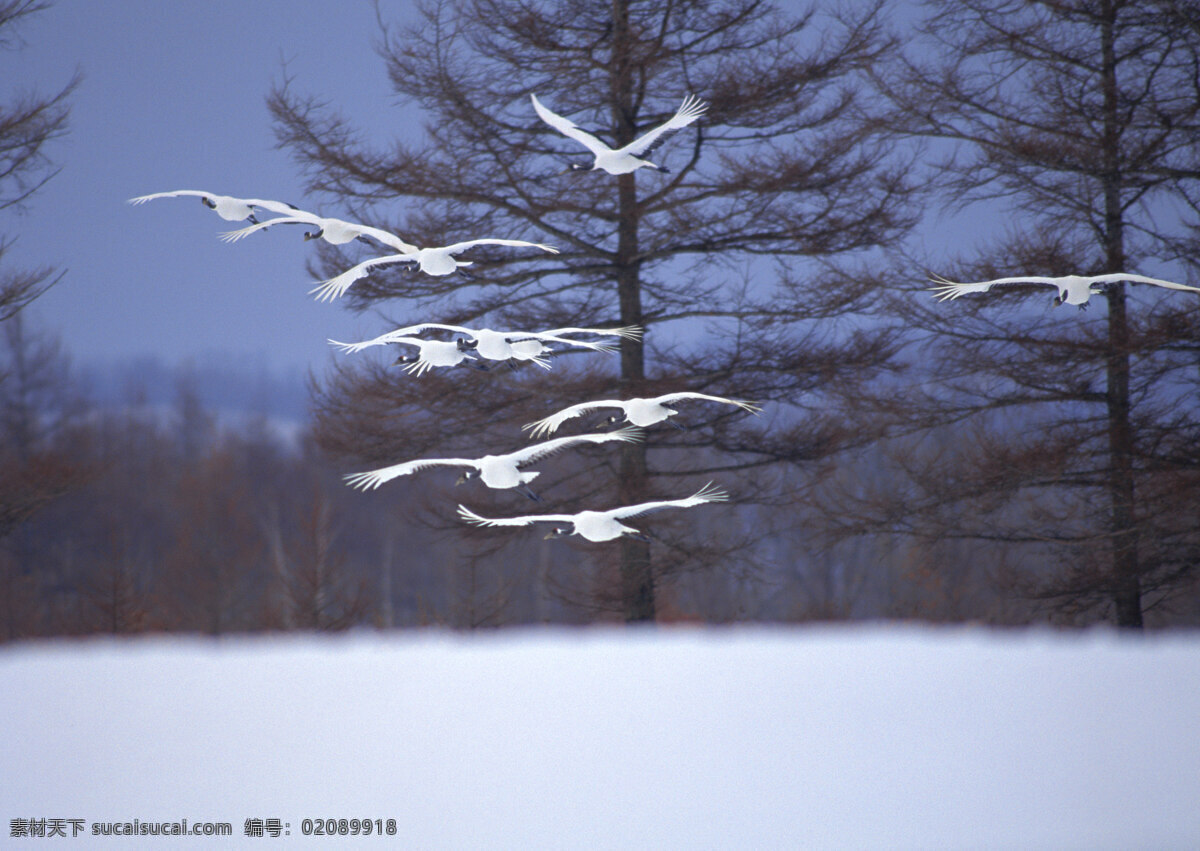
(169, 518)
(1000, 458)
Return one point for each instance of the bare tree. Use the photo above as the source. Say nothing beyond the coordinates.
(31, 368)
(730, 260)
(28, 123)
(1080, 118)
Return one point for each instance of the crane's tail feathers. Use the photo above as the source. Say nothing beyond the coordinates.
(628, 434)
(419, 368)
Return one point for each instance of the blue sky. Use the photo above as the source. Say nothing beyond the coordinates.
(173, 97)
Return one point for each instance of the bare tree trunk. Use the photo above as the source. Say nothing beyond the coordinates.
(637, 578)
(1127, 595)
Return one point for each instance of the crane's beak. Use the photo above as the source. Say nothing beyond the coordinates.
(462, 478)
(549, 535)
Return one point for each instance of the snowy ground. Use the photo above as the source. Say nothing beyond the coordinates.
(676, 737)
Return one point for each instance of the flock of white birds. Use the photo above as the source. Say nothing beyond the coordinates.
(473, 346)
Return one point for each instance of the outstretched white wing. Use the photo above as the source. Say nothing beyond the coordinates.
(708, 493)
(281, 207)
(381, 340)
(436, 326)
(1142, 279)
(688, 394)
(540, 450)
(374, 478)
(336, 287)
(568, 128)
(550, 424)
(549, 338)
(528, 520)
(142, 199)
(387, 238)
(273, 206)
(946, 289)
(460, 247)
(296, 217)
(627, 332)
(691, 109)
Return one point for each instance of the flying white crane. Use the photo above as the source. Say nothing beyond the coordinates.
(333, 231)
(495, 471)
(431, 353)
(626, 159)
(599, 525)
(432, 261)
(229, 208)
(522, 345)
(402, 335)
(1072, 289)
(639, 412)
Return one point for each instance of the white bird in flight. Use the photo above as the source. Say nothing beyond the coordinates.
(229, 208)
(431, 353)
(639, 412)
(627, 159)
(495, 471)
(1072, 289)
(432, 261)
(401, 335)
(333, 231)
(599, 525)
(521, 345)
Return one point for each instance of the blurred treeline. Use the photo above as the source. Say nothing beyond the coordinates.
(171, 520)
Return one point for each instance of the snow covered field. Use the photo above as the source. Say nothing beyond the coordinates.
(873, 737)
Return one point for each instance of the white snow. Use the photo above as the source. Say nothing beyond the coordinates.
(878, 737)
